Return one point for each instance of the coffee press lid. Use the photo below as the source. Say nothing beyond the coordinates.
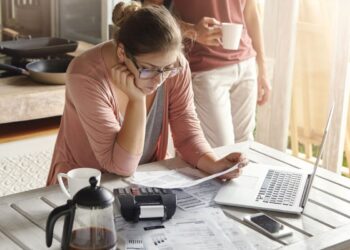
(93, 196)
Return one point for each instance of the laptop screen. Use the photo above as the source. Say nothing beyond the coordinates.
(319, 155)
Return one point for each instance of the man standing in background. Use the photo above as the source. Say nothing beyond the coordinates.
(227, 84)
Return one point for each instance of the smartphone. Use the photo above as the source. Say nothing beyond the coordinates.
(268, 225)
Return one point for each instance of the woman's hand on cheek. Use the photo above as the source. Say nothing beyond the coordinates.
(125, 81)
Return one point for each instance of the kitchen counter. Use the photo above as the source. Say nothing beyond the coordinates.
(22, 99)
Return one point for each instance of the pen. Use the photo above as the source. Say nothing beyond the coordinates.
(153, 227)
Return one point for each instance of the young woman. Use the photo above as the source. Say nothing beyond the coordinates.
(121, 96)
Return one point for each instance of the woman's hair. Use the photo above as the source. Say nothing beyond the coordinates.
(146, 29)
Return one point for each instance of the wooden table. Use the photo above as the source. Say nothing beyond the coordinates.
(324, 224)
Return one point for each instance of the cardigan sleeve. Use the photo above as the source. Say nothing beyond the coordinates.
(98, 117)
(187, 134)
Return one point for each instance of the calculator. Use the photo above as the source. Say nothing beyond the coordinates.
(145, 203)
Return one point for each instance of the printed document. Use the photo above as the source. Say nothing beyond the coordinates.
(206, 228)
(198, 196)
(179, 178)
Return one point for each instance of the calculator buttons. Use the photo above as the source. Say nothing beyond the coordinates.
(121, 191)
(143, 190)
(135, 191)
(164, 191)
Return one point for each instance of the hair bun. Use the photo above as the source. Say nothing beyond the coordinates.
(122, 11)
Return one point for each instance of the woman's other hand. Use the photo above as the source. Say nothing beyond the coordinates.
(125, 81)
(209, 164)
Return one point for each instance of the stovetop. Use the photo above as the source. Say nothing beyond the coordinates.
(22, 62)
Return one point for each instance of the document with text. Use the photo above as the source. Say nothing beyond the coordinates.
(206, 228)
(179, 178)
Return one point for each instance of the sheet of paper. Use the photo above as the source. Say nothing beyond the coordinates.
(205, 191)
(196, 234)
(150, 175)
(240, 240)
(187, 201)
(206, 228)
(180, 178)
(198, 196)
(134, 235)
(176, 234)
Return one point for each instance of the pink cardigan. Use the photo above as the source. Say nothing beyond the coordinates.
(91, 121)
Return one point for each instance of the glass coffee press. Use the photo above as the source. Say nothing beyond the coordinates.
(89, 220)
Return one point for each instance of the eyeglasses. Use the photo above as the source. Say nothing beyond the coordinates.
(152, 73)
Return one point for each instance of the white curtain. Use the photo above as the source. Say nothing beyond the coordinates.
(307, 43)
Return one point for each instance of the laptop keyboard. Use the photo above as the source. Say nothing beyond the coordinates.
(279, 187)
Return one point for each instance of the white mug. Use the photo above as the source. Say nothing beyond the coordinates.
(77, 179)
(231, 35)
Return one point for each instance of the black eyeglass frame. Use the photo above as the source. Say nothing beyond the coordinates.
(143, 71)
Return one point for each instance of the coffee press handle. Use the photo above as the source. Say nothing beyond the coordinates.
(68, 210)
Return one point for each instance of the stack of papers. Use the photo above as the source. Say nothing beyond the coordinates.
(206, 228)
(198, 225)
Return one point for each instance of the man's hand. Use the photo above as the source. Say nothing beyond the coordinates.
(208, 31)
(264, 89)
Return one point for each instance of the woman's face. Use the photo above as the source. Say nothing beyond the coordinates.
(152, 69)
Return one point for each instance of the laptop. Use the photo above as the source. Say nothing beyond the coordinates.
(271, 187)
